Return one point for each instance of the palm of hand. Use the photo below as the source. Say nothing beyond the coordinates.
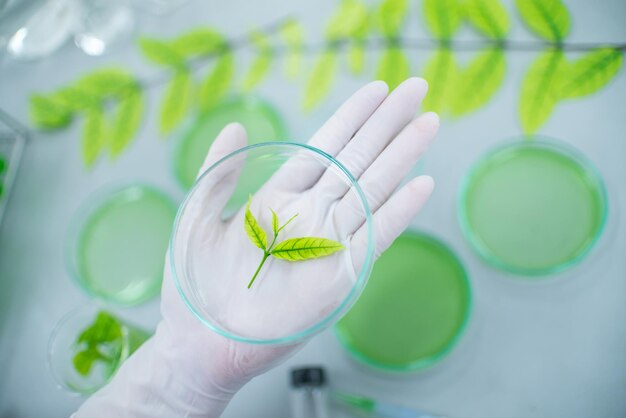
(378, 141)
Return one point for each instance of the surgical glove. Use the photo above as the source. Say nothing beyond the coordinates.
(187, 370)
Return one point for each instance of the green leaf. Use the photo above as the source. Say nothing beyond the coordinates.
(390, 16)
(549, 19)
(441, 73)
(489, 17)
(48, 112)
(94, 136)
(258, 70)
(253, 229)
(443, 17)
(348, 21)
(356, 57)
(477, 84)
(76, 99)
(106, 328)
(590, 73)
(287, 223)
(293, 64)
(293, 35)
(216, 85)
(83, 360)
(161, 53)
(106, 82)
(539, 93)
(176, 102)
(198, 42)
(126, 121)
(275, 225)
(305, 248)
(393, 67)
(320, 80)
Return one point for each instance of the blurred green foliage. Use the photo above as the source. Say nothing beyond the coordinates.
(111, 100)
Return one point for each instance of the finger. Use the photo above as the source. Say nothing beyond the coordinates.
(388, 120)
(231, 138)
(218, 185)
(301, 171)
(388, 170)
(392, 218)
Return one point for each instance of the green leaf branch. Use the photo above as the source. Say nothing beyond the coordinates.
(199, 67)
(292, 249)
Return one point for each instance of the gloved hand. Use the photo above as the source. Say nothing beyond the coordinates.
(187, 370)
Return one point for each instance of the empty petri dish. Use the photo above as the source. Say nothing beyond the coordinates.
(261, 120)
(413, 310)
(223, 274)
(116, 249)
(88, 345)
(533, 207)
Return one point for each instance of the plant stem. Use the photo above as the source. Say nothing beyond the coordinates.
(256, 273)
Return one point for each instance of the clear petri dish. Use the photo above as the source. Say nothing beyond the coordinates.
(533, 207)
(88, 345)
(213, 259)
(414, 310)
(116, 248)
(261, 120)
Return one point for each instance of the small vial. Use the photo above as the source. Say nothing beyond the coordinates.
(309, 393)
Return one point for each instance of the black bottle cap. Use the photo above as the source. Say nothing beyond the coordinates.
(308, 376)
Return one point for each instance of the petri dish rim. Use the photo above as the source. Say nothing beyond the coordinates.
(54, 335)
(359, 284)
(194, 127)
(426, 363)
(537, 141)
(80, 219)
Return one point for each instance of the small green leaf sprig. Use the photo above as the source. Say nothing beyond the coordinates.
(102, 342)
(111, 103)
(292, 249)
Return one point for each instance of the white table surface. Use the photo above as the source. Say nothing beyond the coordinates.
(554, 348)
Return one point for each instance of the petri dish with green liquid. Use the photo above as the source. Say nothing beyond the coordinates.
(116, 249)
(533, 207)
(413, 310)
(262, 123)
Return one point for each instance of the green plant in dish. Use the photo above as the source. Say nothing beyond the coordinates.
(102, 341)
(108, 341)
(292, 249)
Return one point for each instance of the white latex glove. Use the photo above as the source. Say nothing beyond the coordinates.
(186, 370)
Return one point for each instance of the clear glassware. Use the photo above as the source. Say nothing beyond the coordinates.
(415, 308)
(64, 347)
(290, 301)
(43, 27)
(159, 7)
(117, 243)
(261, 120)
(533, 207)
(103, 23)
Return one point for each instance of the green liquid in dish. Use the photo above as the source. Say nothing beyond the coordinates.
(3, 164)
(413, 309)
(533, 208)
(261, 121)
(121, 247)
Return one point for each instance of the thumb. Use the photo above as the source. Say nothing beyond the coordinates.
(231, 138)
(218, 185)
